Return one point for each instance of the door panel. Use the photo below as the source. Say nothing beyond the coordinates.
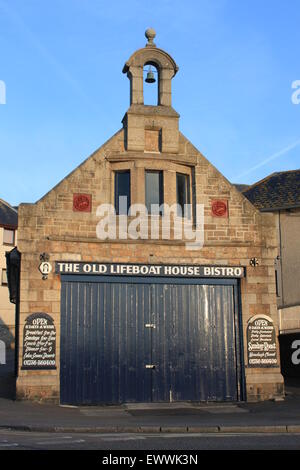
(193, 343)
(105, 345)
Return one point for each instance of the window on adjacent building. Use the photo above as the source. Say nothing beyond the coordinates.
(277, 284)
(278, 276)
(4, 277)
(122, 192)
(2, 353)
(183, 194)
(8, 236)
(153, 191)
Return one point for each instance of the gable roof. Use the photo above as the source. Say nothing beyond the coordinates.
(8, 215)
(275, 192)
(241, 187)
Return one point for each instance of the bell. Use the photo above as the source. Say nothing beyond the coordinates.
(150, 76)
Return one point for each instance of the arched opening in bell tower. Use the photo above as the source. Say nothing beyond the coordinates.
(151, 83)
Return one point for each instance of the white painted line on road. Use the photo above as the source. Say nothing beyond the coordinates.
(115, 439)
(12, 444)
(68, 406)
(78, 441)
(54, 439)
(59, 441)
(221, 435)
(51, 443)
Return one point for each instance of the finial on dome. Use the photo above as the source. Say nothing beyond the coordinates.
(150, 35)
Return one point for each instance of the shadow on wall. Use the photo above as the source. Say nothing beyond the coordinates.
(7, 361)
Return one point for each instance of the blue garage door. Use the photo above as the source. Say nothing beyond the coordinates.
(143, 340)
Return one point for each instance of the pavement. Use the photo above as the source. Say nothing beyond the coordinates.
(263, 417)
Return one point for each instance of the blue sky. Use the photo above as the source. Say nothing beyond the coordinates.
(62, 60)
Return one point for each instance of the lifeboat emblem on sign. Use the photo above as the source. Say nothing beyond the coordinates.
(82, 202)
(219, 208)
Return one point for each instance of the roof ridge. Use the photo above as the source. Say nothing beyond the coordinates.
(269, 177)
(260, 181)
(8, 205)
(288, 171)
(277, 191)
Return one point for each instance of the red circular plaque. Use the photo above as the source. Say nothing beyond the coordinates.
(82, 202)
(219, 208)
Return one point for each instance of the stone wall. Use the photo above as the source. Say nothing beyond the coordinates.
(53, 227)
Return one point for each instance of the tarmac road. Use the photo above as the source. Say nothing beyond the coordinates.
(16, 440)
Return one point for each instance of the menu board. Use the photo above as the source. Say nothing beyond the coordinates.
(261, 342)
(39, 342)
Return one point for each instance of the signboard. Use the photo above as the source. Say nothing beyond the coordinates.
(261, 342)
(39, 342)
(45, 267)
(120, 269)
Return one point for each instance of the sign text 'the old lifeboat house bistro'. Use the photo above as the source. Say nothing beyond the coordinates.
(118, 301)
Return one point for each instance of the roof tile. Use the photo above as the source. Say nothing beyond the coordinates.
(276, 191)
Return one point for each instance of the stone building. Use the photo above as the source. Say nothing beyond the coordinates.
(279, 194)
(8, 239)
(119, 304)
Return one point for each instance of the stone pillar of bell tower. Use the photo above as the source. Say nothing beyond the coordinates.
(141, 118)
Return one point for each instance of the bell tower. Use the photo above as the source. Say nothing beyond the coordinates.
(144, 123)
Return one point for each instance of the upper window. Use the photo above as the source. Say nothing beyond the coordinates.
(122, 192)
(153, 191)
(4, 277)
(183, 194)
(8, 236)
